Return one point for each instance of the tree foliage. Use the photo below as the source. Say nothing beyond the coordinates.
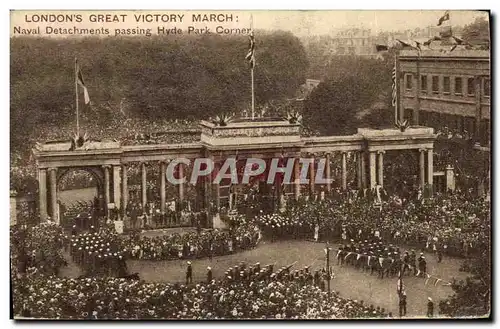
(179, 77)
(353, 85)
(472, 297)
(478, 32)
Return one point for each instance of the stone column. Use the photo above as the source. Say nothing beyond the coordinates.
(181, 185)
(144, 186)
(163, 169)
(106, 189)
(42, 194)
(373, 170)
(124, 190)
(364, 177)
(296, 177)
(430, 170)
(381, 168)
(328, 173)
(344, 171)
(489, 178)
(450, 179)
(53, 195)
(207, 193)
(422, 168)
(116, 187)
(217, 188)
(359, 171)
(312, 174)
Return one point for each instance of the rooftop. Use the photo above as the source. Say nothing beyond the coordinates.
(456, 53)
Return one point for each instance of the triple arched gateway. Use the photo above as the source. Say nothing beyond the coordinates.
(258, 139)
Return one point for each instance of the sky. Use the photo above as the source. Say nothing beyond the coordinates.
(300, 23)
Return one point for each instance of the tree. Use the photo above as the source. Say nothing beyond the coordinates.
(179, 77)
(353, 85)
(472, 297)
(478, 32)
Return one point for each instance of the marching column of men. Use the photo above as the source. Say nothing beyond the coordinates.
(249, 273)
(373, 256)
(98, 255)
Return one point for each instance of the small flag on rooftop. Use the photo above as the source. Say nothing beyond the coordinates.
(405, 44)
(381, 47)
(445, 17)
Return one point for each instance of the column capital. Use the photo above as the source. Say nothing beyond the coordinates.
(52, 169)
(344, 152)
(164, 161)
(424, 149)
(106, 166)
(381, 152)
(312, 154)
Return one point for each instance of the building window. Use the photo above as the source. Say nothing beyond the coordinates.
(458, 86)
(486, 87)
(409, 81)
(446, 85)
(423, 84)
(435, 84)
(471, 87)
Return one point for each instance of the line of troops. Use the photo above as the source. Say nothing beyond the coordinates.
(244, 273)
(96, 256)
(374, 256)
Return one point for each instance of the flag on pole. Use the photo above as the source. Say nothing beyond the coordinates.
(445, 17)
(405, 44)
(381, 48)
(250, 57)
(394, 87)
(418, 45)
(81, 83)
(428, 42)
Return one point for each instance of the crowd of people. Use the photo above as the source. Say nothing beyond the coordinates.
(451, 224)
(277, 295)
(37, 248)
(456, 224)
(192, 245)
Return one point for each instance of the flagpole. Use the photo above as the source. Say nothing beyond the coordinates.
(252, 75)
(76, 96)
(396, 78)
(253, 94)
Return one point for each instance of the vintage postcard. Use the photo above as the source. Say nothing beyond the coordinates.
(250, 165)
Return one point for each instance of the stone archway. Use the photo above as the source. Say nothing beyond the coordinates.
(402, 167)
(79, 191)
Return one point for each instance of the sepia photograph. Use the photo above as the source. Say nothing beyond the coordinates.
(250, 165)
